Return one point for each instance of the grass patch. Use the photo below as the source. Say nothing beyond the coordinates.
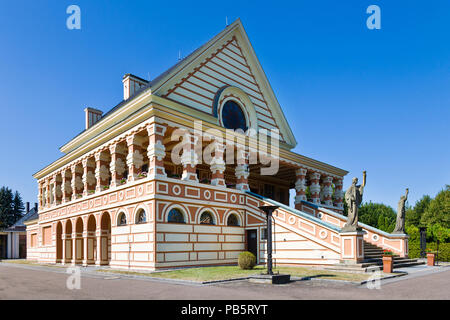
(29, 262)
(230, 272)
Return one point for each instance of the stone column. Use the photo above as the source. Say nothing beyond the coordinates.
(338, 194)
(217, 166)
(300, 187)
(242, 171)
(156, 150)
(327, 190)
(85, 244)
(76, 180)
(88, 178)
(101, 171)
(117, 165)
(189, 159)
(64, 254)
(74, 242)
(66, 187)
(98, 236)
(47, 193)
(314, 187)
(135, 160)
(40, 195)
(53, 190)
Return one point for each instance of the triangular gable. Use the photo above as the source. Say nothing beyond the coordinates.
(226, 60)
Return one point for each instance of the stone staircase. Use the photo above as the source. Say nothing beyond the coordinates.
(373, 256)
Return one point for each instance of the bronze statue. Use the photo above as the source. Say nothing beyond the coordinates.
(400, 225)
(353, 197)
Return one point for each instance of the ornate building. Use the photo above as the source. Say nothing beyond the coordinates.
(119, 197)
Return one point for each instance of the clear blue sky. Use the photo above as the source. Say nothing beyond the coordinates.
(375, 100)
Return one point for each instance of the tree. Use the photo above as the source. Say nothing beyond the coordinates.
(17, 207)
(377, 215)
(11, 207)
(414, 215)
(438, 211)
(6, 209)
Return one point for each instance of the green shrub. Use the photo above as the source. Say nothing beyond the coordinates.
(443, 254)
(247, 260)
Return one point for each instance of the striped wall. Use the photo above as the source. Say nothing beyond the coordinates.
(227, 66)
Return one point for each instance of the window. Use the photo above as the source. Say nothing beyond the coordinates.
(47, 236)
(175, 216)
(33, 240)
(122, 220)
(141, 217)
(233, 117)
(206, 218)
(264, 234)
(233, 220)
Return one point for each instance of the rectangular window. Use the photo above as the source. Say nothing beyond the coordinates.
(47, 236)
(33, 240)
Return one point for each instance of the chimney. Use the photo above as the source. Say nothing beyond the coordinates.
(28, 207)
(92, 116)
(132, 84)
(36, 207)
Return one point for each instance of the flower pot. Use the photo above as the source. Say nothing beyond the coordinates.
(430, 259)
(388, 264)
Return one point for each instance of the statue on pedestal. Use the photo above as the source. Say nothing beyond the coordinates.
(353, 197)
(400, 225)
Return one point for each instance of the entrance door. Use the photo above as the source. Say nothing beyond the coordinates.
(252, 242)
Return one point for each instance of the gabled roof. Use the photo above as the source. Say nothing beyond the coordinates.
(19, 225)
(167, 78)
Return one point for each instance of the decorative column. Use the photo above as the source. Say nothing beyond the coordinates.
(156, 150)
(217, 166)
(327, 190)
(47, 193)
(53, 191)
(85, 242)
(40, 195)
(338, 194)
(66, 187)
(189, 158)
(101, 171)
(76, 181)
(135, 159)
(300, 187)
(117, 165)
(242, 170)
(314, 187)
(88, 176)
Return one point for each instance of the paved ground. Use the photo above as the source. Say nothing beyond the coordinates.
(36, 282)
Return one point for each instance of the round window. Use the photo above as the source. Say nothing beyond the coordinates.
(233, 117)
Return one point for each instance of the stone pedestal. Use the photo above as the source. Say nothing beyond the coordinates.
(352, 247)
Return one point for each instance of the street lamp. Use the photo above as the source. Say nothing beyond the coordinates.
(269, 210)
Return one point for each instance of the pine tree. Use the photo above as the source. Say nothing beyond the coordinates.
(6, 207)
(17, 207)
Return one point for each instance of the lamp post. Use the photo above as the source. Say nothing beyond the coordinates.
(268, 211)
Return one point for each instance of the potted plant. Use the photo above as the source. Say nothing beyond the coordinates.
(122, 181)
(388, 261)
(105, 187)
(142, 175)
(91, 191)
(431, 257)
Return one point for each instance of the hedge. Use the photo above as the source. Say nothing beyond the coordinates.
(444, 250)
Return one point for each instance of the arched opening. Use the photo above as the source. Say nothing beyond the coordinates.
(207, 218)
(175, 216)
(141, 216)
(79, 249)
(104, 248)
(91, 246)
(233, 220)
(68, 242)
(59, 252)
